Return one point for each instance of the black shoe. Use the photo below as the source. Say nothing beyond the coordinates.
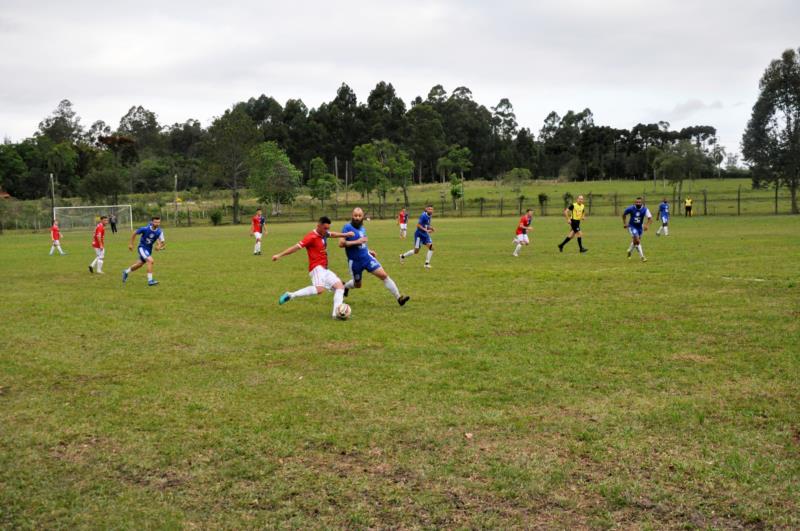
(584, 250)
(346, 291)
(560, 249)
(403, 299)
(91, 270)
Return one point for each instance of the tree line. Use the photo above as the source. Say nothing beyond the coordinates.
(373, 147)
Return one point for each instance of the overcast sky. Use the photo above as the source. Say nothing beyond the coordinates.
(688, 62)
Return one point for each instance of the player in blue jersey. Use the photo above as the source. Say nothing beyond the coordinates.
(640, 219)
(422, 236)
(149, 235)
(663, 215)
(360, 258)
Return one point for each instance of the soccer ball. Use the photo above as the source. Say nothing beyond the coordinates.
(343, 312)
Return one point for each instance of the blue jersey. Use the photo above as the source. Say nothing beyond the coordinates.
(356, 252)
(637, 215)
(149, 235)
(663, 210)
(424, 221)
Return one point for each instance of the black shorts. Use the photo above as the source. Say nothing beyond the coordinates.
(575, 224)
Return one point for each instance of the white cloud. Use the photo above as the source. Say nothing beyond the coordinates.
(181, 59)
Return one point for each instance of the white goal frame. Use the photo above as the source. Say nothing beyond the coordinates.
(105, 209)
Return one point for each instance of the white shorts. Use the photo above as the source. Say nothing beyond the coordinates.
(521, 238)
(323, 277)
(100, 253)
(664, 220)
(403, 226)
(56, 243)
(257, 235)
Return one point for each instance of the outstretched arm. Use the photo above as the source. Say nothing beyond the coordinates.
(332, 234)
(289, 250)
(133, 237)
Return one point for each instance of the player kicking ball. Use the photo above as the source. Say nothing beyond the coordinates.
(150, 235)
(361, 259)
(523, 227)
(99, 244)
(663, 215)
(422, 236)
(640, 219)
(316, 245)
(259, 229)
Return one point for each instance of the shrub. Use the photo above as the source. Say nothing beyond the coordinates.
(216, 217)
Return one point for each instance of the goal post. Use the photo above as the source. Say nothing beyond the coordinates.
(79, 217)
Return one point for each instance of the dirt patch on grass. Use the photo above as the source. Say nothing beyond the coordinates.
(81, 450)
(695, 358)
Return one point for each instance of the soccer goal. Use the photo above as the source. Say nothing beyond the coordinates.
(80, 217)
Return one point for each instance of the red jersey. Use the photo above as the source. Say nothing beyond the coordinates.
(99, 236)
(402, 217)
(258, 223)
(317, 248)
(55, 233)
(526, 221)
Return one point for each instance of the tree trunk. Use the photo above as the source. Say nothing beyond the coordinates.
(236, 206)
(405, 195)
(793, 193)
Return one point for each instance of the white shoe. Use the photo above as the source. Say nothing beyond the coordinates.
(427, 266)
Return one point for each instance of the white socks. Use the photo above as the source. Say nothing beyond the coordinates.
(630, 248)
(639, 248)
(517, 250)
(128, 270)
(392, 287)
(94, 262)
(149, 277)
(53, 248)
(349, 284)
(305, 292)
(408, 253)
(338, 297)
(428, 256)
(666, 231)
(99, 265)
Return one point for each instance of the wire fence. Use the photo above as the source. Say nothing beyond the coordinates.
(36, 215)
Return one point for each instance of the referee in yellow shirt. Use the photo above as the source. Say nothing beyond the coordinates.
(574, 214)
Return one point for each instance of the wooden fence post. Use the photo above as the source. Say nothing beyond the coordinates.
(705, 203)
(739, 201)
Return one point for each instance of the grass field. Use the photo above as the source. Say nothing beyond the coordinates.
(551, 390)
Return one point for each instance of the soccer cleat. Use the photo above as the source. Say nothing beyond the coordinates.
(560, 248)
(346, 291)
(644, 259)
(100, 272)
(629, 255)
(283, 299)
(584, 250)
(152, 282)
(427, 265)
(515, 254)
(91, 270)
(124, 276)
(403, 299)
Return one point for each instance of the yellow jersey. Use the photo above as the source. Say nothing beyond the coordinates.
(576, 211)
(688, 202)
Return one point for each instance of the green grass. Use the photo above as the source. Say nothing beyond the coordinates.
(597, 391)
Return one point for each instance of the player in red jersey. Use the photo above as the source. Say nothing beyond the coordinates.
(402, 220)
(99, 244)
(258, 228)
(523, 227)
(55, 237)
(316, 245)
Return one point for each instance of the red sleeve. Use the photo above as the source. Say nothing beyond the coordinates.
(305, 241)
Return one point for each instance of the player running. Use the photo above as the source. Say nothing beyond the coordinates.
(663, 215)
(150, 234)
(360, 258)
(258, 228)
(574, 214)
(640, 219)
(422, 236)
(402, 220)
(316, 245)
(99, 244)
(55, 239)
(523, 227)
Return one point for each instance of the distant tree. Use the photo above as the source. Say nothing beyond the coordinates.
(368, 169)
(228, 147)
(398, 167)
(106, 179)
(426, 138)
(321, 183)
(142, 125)
(13, 171)
(97, 130)
(62, 162)
(273, 177)
(62, 126)
(771, 142)
(457, 160)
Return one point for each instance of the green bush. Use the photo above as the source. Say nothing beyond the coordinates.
(216, 217)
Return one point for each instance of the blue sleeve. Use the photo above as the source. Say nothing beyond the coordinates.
(628, 211)
(347, 228)
(141, 230)
(422, 220)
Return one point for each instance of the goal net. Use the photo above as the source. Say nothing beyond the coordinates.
(82, 217)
